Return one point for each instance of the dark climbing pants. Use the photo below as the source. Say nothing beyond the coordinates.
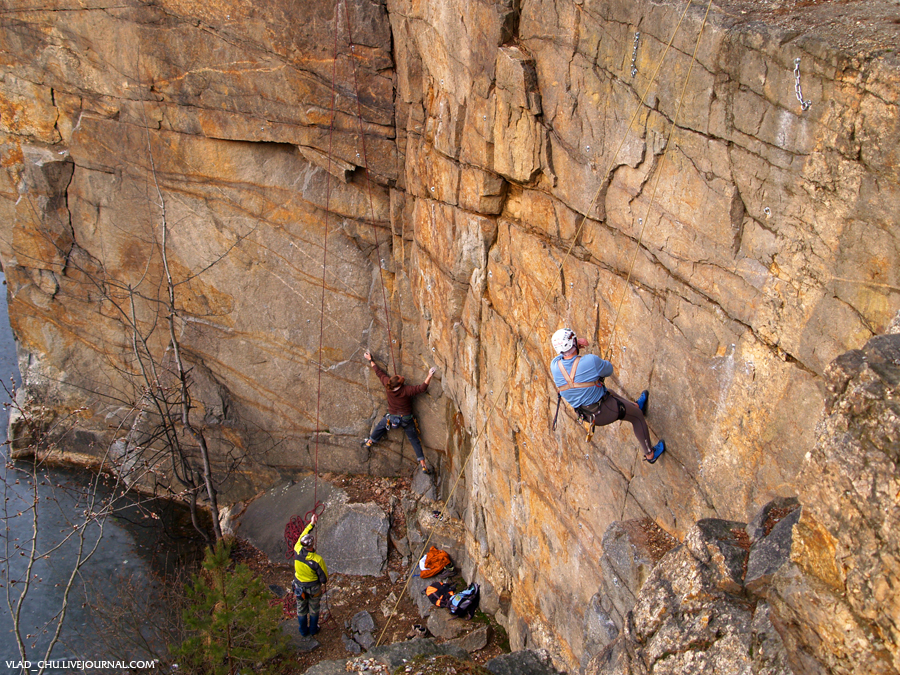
(609, 412)
(309, 597)
(411, 427)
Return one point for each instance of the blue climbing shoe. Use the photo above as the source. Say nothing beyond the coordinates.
(642, 401)
(658, 450)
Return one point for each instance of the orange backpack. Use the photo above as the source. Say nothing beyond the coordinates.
(440, 593)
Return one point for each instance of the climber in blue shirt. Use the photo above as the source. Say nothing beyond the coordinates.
(579, 380)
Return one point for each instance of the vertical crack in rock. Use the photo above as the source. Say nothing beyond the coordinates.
(736, 215)
(509, 28)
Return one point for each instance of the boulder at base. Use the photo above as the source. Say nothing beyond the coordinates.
(352, 538)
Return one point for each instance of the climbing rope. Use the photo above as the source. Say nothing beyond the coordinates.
(362, 137)
(291, 528)
(646, 219)
(296, 524)
(538, 316)
(337, 10)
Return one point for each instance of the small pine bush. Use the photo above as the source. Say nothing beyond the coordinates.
(228, 619)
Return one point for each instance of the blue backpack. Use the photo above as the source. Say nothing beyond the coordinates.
(465, 602)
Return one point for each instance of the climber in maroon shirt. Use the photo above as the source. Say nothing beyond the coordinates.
(400, 413)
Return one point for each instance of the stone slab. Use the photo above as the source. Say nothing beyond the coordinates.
(756, 528)
(525, 662)
(352, 538)
(350, 644)
(443, 624)
(770, 553)
(423, 484)
(474, 640)
(723, 545)
(264, 520)
(362, 622)
(298, 642)
(397, 654)
(416, 590)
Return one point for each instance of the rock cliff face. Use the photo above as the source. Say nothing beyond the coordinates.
(693, 614)
(843, 571)
(489, 174)
(801, 589)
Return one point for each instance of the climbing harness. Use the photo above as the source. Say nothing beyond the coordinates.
(398, 421)
(585, 416)
(570, 377)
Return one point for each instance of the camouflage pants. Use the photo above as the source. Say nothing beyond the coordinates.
(309, 597)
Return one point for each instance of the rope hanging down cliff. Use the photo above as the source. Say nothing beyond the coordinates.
(362, 138)
(296, 524)
(540, 312)
(669, 141)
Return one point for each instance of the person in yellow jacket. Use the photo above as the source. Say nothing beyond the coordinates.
(310, 577)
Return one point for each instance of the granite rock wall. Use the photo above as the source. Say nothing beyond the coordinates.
(488, 175)
(808, 587)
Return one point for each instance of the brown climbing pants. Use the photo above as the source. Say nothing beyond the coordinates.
(612, 408)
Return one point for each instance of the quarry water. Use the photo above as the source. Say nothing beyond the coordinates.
(118, 608)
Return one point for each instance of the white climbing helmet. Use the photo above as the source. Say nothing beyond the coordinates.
(563, 340)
